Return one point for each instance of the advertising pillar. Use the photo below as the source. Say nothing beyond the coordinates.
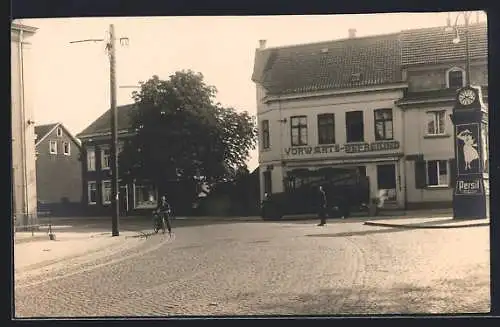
(471, 190)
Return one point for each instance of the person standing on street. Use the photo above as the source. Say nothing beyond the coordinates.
(322, 206)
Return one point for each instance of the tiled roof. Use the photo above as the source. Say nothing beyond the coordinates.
(378, 59)
(329, 65)
(42, 130)
(434, 45)
(103, 123)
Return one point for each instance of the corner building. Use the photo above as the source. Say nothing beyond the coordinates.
(344, 103)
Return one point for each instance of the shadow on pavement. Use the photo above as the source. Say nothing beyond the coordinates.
(448, 296)
(139, 225)
(362, 233)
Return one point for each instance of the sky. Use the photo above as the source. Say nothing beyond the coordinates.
(71, 81)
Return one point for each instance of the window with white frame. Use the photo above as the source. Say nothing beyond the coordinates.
(90, 159)
(105, 158)
(53, 147)
(106, 192)
(383, 124)
(59, 131)
(145, 196)
(92, 192)
(436, 122)
(437, 173)
(455, 78)
(298, 130)
(67, 148)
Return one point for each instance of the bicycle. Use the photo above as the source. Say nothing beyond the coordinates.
(158, 223)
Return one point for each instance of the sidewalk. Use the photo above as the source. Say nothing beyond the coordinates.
(428, 222)
(33, 251)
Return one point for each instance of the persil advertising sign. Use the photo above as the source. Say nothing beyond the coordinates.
(469, 187)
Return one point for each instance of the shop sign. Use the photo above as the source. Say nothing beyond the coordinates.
(469, 187)
(347, 148)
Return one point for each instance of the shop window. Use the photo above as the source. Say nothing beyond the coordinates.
(298, 128)
(326, 129)
(354, 126)
(145, 196)
(386, 181)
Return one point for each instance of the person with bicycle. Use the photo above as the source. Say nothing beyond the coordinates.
(163, 210)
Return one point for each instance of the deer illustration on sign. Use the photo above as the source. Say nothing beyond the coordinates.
(469, 148)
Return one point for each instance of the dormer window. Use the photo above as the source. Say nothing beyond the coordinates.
(455, 78)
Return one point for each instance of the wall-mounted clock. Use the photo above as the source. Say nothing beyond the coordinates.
(466, 97)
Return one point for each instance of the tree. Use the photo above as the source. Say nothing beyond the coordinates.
(181, 133)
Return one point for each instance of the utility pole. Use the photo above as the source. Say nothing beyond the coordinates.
(111, 50)
(114, 133)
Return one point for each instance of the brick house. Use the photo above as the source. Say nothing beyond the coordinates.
(58, 170)
(134, 197)
(378, 103)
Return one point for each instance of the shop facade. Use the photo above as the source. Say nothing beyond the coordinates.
(380, 104)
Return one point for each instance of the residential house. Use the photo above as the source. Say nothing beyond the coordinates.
(96, 168)
(379, 103)
(331, 104)
(58, 170)
(434, 68)
(23, 182)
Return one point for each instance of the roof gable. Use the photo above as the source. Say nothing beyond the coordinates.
(102, 124)
(42, 131)
(434, 45)
(330, 65)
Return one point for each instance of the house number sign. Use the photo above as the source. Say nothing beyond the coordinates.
(347, 148)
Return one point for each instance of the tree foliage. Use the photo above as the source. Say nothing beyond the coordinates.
(181, 133)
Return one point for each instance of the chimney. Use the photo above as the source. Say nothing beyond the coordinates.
(352, 33)
(262, 44)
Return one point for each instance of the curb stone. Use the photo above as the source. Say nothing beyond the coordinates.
(417, 226)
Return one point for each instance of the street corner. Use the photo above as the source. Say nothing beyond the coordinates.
(40, 250)
(428, 223)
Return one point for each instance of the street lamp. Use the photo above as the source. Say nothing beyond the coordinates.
(466, 15)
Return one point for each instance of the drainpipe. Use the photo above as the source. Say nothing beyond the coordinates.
(403, 141)
(282, 158)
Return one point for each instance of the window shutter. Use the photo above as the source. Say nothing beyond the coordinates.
(453, 172)
(420, 174)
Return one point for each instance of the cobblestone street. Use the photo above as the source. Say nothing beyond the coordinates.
(242, 268)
